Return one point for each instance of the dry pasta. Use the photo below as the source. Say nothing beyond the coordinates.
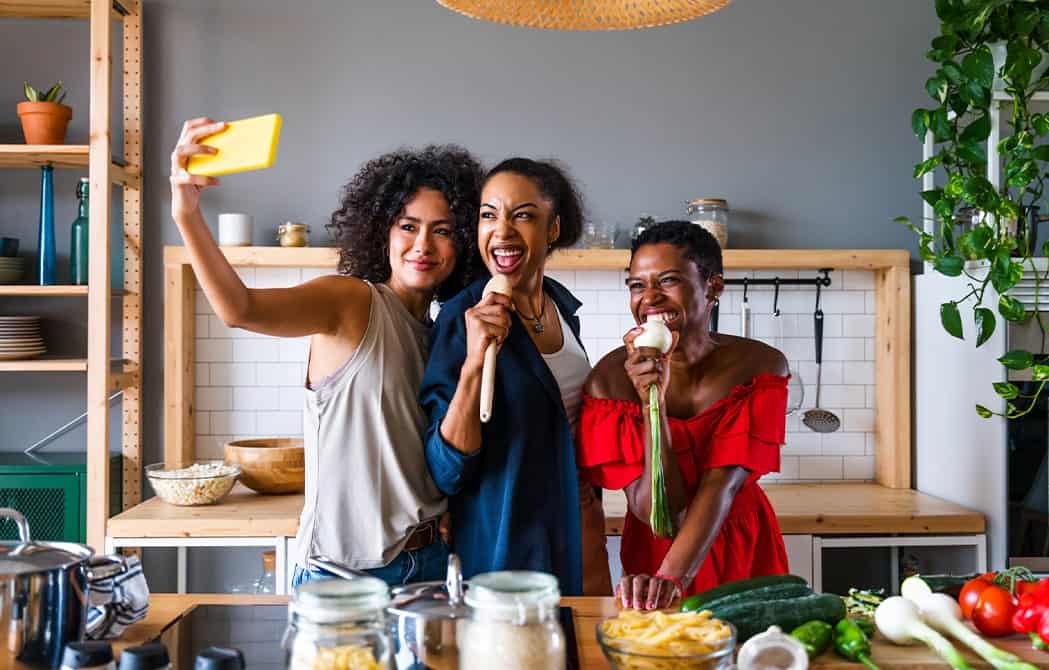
(660, 634)
(346, 657)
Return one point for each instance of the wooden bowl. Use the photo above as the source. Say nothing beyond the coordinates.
(270, 464)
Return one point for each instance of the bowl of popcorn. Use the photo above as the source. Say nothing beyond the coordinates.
(202, 483)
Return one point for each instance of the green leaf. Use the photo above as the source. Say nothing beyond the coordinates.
(979, 67)
(936, 87)
(944, 209)
(927, 166)
(941, 126)
(1005, 274)
(951, 72)
(955, 187)
(945, 10)
(1040, 372)
(985, 324)
(932, 196)
(977, 131)
(1006, 390)
(1040, 122)
(920, 123)
(1011, 308)
(950, 266)
(1017, 359)
(1040, 153)
(973, 153)
(978, 95)
(51, 93)
(951, 319)
(925, 251)
(1024, 20)
(983, 412)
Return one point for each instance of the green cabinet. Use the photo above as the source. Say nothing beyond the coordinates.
(51, 491)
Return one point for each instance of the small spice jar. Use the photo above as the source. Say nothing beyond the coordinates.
(336, 623)
(513, 618)
(712, 215)
(293, 234)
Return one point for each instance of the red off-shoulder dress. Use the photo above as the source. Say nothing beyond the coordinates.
(746, 428)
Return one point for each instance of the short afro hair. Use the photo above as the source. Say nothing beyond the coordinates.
(376, 195)
(698, 245)
(556, 186)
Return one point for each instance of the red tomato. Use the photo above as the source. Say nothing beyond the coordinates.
(1023, 588)
(970, 594)
(994, 612)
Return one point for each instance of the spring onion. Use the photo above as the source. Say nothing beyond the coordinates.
(656, 335)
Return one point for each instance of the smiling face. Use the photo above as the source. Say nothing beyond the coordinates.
(516, 228)
(664, 281)
(422, 254)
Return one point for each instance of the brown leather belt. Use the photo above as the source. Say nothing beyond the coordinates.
(422, 535)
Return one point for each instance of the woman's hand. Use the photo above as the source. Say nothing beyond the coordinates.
(646, 592)
(646, 366)
(186, 188)
(487, 321)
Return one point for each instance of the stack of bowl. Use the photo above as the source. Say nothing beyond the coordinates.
(12, 269)
(20, 338)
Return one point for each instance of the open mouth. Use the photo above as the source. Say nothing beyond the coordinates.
(669, 316)
(507, 259)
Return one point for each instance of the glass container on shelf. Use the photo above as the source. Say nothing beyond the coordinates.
(292, 234)
(643, 224)
(337, 623)
(78, 255)
(712, 215)
(267, 582)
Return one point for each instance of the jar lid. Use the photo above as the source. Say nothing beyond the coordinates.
(145, 657)
(708, 202)
(269, 560)
(433, 600)
(292, 227)
(338, 600)
(219, 658)
(515, 593)
(87, 654)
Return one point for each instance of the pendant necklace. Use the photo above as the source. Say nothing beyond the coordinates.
(537, 320)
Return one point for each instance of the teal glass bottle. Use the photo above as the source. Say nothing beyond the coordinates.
(46, 239)
(78, 257)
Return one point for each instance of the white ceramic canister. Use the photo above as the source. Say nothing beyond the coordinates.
(235, 229)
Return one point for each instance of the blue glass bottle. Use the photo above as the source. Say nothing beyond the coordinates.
(46, 240)
(78, 257)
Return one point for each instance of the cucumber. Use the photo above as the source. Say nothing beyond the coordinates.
(760, 594)
(753, 617)
(949, 584)
(700, 600)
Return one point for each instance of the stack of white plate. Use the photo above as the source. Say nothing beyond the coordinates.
(12, 269)
(20, 338)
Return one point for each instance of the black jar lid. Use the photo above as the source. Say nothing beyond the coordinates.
(145, 657)
(87, 654)
(219, 658)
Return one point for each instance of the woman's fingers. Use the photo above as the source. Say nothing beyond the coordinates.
(624, 590)
(183, 178)
(628, 339)
(656, 588)
(640, 590)
(200, 132)
(187, 150)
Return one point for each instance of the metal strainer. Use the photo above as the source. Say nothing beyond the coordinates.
(820, 420)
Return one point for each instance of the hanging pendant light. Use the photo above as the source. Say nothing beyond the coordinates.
(585, 14)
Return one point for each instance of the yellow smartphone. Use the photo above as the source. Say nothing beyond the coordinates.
(247, 144)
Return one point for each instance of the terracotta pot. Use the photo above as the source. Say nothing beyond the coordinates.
(44, 122)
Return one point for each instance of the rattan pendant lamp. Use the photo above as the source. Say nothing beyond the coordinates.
(585, 14)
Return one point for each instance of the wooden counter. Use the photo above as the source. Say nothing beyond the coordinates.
(588, 613)
(816, 509)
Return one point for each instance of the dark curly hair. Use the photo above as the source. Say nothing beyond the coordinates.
(699, 246)
(556, 186)
(375, 197)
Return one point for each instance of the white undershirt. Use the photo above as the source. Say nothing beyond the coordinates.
(570, 367)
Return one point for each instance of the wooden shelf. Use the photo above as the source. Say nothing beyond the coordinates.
(122, 369)
(588, 259)
(62, 156)
(66, 291)
(61, 9)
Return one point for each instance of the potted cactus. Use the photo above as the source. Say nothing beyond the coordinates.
(44, 117)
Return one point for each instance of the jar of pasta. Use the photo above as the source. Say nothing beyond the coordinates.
(292, 234)
(513, 619)
(338, 624)
(711, 214)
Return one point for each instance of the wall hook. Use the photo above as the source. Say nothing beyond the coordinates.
(775, 298)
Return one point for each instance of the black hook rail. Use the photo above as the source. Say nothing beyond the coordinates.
(822, 281)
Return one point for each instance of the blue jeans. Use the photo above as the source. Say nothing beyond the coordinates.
(428, 564)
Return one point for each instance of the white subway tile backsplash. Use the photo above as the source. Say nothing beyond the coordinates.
(842, 444)
(857, 280)
(202, 423)
(613, 302)
(831, 373)
(202, 374)
(789, 467)
(843, 349)
(233, 374)
(280, 374)
(842, 396)
(200, 303)
(309, 274)
(858, 372)
(217, 328)
(246, 274)
(201, 326)
(602, 325)
(280, 424)
(209, 398)
(844, 302)
(211, 446)
(858, 420)
(858, 325)
(257, 350)
(832, 325)
(277, 277)
(214, 351)
(820, 467)
(233, 422)
(600, 280)
(870, 303)
(869, 349)
(588, 300)
(294, 350)
(259, 398)
(802, 444)
(859, 467)
(871, 397)
(565, 277)
(871, 445)
(292, 398)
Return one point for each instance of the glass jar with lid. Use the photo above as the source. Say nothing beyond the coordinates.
(291, 234)
(513, 618)
(712, 215)
(336, 623)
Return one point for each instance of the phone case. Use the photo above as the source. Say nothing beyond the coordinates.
(247, 144)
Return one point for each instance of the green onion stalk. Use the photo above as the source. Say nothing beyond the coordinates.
(656, 335)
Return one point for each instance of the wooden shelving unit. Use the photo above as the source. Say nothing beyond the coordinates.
(103, 374)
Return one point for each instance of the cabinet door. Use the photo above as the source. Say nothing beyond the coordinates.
(50, 503)
(799, 555)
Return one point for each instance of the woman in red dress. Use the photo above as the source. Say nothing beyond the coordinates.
(723, 415)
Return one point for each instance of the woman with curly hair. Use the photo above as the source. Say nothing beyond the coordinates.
(406, 229)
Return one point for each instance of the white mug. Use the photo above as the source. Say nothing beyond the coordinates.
(235, 230)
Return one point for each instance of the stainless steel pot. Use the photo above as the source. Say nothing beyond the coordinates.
(43, 595)
(424, 620)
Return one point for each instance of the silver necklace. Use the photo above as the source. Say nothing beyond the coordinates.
(537, 321)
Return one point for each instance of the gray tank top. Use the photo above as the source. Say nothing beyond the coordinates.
(367, 483)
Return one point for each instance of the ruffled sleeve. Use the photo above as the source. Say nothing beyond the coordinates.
(611, 443)
(752, 427)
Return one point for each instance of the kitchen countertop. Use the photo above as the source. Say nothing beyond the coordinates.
(165, 608)
(817, 509)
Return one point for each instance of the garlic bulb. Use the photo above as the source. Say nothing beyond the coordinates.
(772, 650)
(656, 335)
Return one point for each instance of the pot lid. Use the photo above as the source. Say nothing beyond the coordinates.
(25, 557)
(434, 600)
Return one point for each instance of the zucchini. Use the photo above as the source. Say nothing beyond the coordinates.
(760, 594)
(753, 617)
(700, 600)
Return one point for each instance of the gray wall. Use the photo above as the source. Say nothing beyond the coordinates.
(796, 112)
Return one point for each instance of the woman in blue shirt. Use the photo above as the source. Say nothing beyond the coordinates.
(512, 484)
